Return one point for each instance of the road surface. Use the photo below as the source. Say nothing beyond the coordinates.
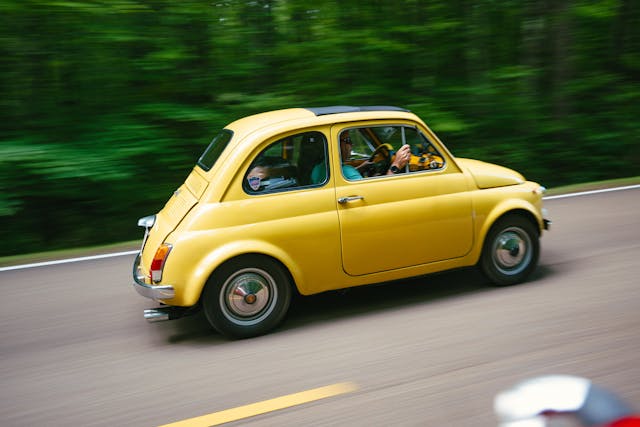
(75, 350)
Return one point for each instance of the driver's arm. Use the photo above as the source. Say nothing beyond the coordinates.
(364, 164)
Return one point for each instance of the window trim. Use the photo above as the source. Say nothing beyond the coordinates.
(403, 127)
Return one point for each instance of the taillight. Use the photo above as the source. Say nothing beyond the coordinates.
(158, 262)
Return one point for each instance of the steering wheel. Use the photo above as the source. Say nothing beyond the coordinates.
(381, 159)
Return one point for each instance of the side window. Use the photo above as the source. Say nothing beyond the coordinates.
(370, 151)
(289, 163)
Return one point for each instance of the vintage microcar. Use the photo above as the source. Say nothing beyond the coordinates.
(310, 200)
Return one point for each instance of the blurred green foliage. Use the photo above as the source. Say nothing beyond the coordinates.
(105, 105)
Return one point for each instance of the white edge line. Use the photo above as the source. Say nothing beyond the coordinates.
(91, 258)
(586, 193)
(65, 261)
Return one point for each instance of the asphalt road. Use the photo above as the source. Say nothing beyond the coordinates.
(75, 350)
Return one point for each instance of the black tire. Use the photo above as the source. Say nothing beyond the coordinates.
(511, 250)
(247, 296)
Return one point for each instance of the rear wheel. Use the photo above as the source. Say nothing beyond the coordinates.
(511, 250)
(247, 296)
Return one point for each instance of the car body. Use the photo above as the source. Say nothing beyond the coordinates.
(269, 210)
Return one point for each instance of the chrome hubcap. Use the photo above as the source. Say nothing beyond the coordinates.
(511, 250)
(248, 296)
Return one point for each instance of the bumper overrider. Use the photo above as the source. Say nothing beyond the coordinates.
(156, 293)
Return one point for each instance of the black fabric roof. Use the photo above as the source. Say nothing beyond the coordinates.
(337, 109)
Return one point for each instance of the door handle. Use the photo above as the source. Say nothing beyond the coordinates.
(343, 200)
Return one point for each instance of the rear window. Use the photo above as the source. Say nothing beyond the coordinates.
(215, 149)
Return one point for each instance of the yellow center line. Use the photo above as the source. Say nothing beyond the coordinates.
(265, 406)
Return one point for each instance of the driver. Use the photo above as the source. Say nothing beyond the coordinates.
(403, 155)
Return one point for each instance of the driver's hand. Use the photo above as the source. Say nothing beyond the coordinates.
(403, 155)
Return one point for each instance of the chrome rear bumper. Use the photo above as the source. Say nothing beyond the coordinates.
(156, 293)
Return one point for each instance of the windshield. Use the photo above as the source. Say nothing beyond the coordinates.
(215, 149)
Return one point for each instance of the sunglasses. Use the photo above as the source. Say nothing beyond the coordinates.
(346, 140)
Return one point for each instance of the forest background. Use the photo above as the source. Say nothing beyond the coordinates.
(106, 105)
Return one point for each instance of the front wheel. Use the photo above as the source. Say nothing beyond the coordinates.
(247, 297)
(511, 250)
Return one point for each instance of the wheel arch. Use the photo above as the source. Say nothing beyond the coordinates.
(507, 208)
(248, 256)
(521, 212)
(223, 255)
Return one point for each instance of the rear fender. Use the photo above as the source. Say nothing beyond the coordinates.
(208, 264)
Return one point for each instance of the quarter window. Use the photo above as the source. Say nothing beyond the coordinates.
(214, 150)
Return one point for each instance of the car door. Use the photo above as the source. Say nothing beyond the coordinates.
(282, 202)
(389, 222)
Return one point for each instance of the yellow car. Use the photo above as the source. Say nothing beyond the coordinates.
(310, 200)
